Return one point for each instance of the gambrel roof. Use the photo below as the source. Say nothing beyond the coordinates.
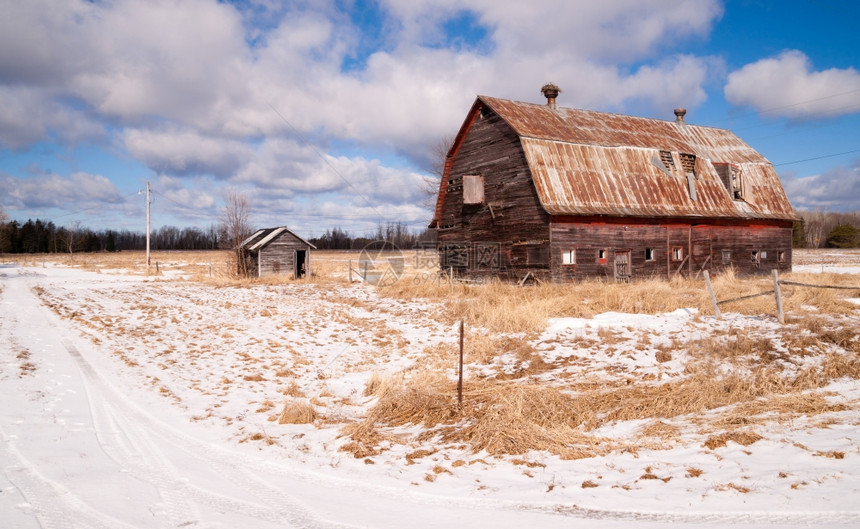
(595, 163)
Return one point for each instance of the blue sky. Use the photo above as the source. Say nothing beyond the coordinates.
(326, 113)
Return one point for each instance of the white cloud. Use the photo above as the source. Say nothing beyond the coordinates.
(834, 190)
(237, 91)
(186, 151)
(788, 86)
(78, 191)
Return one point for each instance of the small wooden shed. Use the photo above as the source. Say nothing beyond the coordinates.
(274, 251)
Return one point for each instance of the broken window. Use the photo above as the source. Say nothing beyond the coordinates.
(731, 176)
(727, 257)
(668, 161)
(677, 253)
(649, 254)
(780, 256)
(664, 162)
(601, 256)
(688, 164)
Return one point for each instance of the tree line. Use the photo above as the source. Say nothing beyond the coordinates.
(38, 236)
(814, 229)
(822, 229)
(397, 234)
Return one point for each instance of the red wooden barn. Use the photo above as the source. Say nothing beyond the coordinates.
(563, 193)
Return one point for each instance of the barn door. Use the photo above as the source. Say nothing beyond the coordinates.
(622, 267)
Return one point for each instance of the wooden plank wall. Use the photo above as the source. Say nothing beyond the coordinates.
(510, 229)
(701, 247)
(278, 257)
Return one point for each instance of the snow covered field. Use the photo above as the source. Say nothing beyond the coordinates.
(153, 401)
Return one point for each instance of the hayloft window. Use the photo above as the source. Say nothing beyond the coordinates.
(664, 162)
(473, 189)
(568, 257)
(732, 178)
(677, 253)
(688, 163)
(668, 161)
(649, 254)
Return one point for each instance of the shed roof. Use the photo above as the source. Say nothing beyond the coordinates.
(262, 238)
(584, 162)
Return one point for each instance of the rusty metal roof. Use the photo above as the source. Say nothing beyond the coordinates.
(596, 163)
(261, 238)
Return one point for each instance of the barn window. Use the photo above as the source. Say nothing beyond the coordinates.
(688, 163)
(731, 176)
(780, 256)
(668, 161)
(755, 255)
(568, 257)
(727, 257)
(649, 254)
(473, 189)
(601, 256)
(677, 253)
(763, 254)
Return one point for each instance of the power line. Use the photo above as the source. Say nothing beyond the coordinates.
(782, 107)
(817, 158)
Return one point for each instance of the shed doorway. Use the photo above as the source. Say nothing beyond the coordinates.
(301, 258)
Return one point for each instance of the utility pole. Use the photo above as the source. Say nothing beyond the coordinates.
(148, 201)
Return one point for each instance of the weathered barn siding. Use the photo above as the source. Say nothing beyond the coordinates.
(277, 251)
(665, 248)
(566, 194)
(509, 230)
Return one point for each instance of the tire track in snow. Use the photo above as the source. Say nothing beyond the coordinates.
(277, 505)
(109, 405)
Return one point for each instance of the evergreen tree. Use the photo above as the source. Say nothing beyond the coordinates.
(843, 236)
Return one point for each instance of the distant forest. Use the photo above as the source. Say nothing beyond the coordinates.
(38, 236)
(814, 229)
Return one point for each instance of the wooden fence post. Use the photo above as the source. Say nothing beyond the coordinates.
(780, 316)
(460, 377)
(350, 270)
(713, 296)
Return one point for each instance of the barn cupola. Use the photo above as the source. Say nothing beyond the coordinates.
(550, 92)
(679, 115)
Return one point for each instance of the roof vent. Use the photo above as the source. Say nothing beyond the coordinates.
(679, 115)
(550, 92)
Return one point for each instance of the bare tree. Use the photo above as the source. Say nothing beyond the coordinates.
(236, 227)
(439, 155)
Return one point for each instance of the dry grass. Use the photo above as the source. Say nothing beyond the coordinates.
(511, 418)
(297, 412)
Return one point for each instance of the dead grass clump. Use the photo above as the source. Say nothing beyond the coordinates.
(374, 383)
(503, 419)
(297, 412)
(740, 437)
(661, 430)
